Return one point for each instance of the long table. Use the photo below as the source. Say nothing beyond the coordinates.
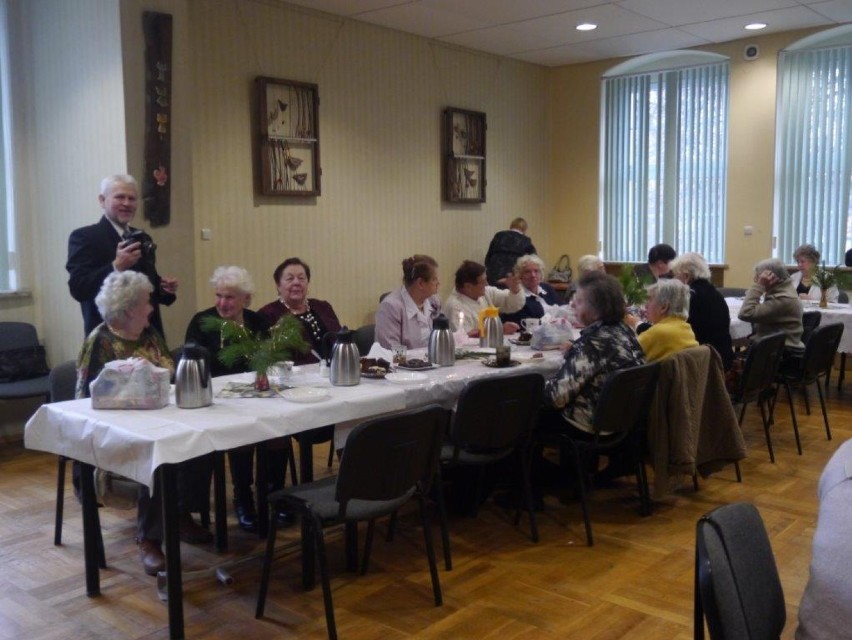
(836, 312)
(145, 444)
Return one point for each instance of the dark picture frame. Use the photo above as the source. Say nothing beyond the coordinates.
(464, 155)
(288, 118)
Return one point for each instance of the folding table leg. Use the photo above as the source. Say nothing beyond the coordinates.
(167, 475)
(91, 525)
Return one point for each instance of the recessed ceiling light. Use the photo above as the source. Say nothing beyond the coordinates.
(586, 26)
(755, 26)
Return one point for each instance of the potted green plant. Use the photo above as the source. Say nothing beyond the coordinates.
(259, 351)
(824, 279)
(635, 292)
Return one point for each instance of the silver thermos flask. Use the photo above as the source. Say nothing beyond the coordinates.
(492, 333)
(193, 386)
(442, 346)
(344, 361)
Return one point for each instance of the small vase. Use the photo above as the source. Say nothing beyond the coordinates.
(823, 299)
(261, 381)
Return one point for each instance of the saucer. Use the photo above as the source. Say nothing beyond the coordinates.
(493, 364)
(406, 377)
(305, 394)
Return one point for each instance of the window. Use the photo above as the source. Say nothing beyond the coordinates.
(813, 153)
(664, 155)
(8, 271)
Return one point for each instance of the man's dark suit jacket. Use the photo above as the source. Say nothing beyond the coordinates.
(91, 251)
(505, 249)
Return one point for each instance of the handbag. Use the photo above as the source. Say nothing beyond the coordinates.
(23, 363)
(561, 272)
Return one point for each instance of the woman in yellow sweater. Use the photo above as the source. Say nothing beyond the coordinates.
(667, 309)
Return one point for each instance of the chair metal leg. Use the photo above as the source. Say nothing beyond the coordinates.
(822, 404)
(581, 489)
(442, 516)
(807, 401)
(60, 501)
(267, 566)
(523, 460)
(368, 546)
(793, 413)
(291, 462)
(331, 452)
(767, 422)
(319, 543)
(738, 471)
(644, 491)
(840, 374)
(430, 552)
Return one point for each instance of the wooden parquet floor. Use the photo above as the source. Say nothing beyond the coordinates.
(636, 582)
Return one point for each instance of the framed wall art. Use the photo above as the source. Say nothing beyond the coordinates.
(289, 137)
(464, 155)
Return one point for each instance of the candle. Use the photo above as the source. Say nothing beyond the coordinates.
(461, 320)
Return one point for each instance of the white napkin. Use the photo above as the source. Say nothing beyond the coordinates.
(378, 351)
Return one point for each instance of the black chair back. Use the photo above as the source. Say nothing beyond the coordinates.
(761, 367)
(737, 587)
(17, 335)
(62, 381)
(364, 337)
(820, 351)
(810, 321)
(625, 401)
(391, 456)
(494, 415)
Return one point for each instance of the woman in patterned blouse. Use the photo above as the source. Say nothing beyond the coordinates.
(124, 302)
(606, 344)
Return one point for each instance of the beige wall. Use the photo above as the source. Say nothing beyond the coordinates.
(575, 102)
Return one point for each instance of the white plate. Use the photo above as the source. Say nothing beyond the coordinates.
(305, 394)
(406, 377)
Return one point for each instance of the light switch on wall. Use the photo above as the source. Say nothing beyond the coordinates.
(748, 230)
(207, 234)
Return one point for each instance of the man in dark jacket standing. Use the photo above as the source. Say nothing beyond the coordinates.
(505, 248)
(111, 245)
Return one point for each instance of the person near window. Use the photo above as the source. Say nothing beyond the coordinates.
(100, 249)
(709, 316)
(538, 295)
(668, 310)
(472, 294)
(124, 302)
(657, 266)
(807, 259)
(233, 288)
(405, 316)
(771, 305)
(293, 278)
(505, 249)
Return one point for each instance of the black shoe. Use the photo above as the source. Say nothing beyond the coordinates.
(285, 518)
(246, 515)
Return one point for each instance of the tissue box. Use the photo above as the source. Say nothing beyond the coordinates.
(134, 383)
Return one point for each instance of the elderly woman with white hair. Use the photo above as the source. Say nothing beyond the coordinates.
(538, 295)
(667, 309)
(234, 287)
(807, 259)
(124, 303)
(771, 304)
(709, 316)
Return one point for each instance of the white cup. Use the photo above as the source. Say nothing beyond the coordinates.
(530, 324)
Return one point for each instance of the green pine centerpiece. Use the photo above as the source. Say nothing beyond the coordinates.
(635, 292)
(824, 279)
(259, 351)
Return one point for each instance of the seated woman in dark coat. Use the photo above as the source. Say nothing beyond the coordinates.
(234, 288)
(125, 305)
(708, 311)
(292, 278)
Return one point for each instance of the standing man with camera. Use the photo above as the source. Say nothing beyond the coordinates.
(113, 245)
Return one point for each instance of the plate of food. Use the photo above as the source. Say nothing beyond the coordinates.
(305, 394)
(492, 362)
(416, 364)
(406, 377)
(376, 368)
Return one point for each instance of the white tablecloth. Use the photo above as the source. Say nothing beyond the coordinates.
(836, 312)
(134, 443)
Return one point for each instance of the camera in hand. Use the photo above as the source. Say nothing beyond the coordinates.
(146, 242)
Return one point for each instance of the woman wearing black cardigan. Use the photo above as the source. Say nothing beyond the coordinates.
(708, 312)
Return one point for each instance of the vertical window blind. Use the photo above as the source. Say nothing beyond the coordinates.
(664, 159)
(813, 153)
(8, 272)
